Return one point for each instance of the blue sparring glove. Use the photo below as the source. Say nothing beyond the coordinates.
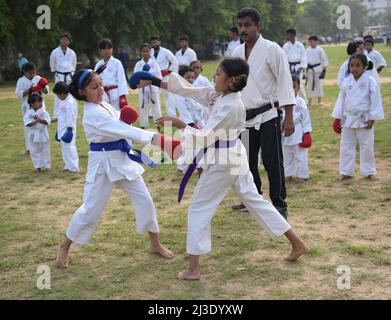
(322, 74)
(67, 136)
(56, 137)
(146, 67)
(143, 75)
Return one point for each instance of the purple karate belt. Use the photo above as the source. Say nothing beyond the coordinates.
(217, 145)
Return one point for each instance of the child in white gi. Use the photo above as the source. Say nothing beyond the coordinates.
(359, 104)
(199, 79)
(295, 153)
(66, 129)
(37, 120)
(227, 166)
(149, 97)
(113, 76)
(316, 70)
(29, 83)
(370, 51)
(110, 163)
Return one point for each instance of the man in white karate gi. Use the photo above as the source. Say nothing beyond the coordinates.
(185, 55)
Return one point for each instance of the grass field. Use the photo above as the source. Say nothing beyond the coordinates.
(344, 224)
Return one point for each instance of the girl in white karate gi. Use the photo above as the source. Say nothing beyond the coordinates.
(108, 165)
(227, 166)
(67, 116)
(149, 97)
(295, 156)
(37, 120)
(359, 104)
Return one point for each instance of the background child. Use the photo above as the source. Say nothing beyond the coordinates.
(199, 79)
(149, 97)
(37, 119)
(113, 76)
(66, 127)
(378, 60)
(359, 104)
(295, 155)
(30, 82)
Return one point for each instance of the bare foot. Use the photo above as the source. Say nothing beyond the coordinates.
(62, 258)
(297, 252)
(343, 177)
(163, 251)
(372, 177)
(288, 178)
(189, 275)
(27, 153)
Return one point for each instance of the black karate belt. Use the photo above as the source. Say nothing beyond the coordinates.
(292, 66)
(312, 67)
(252, 113)
(65, 74)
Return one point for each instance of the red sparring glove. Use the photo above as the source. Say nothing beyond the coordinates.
(41, 84)
(337, 127)
(165, 72)
(307, 141)
(122, 101)
(169, 145)
(128, 115)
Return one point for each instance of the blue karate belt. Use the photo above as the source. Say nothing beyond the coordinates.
(217, 145)
(124, 146)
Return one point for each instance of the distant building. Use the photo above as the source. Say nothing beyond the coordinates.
(376, 7)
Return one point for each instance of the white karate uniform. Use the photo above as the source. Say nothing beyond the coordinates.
(223, 168)
(232, 45)
(67, 117)
(296, 157)
(166, 61)
(185, 59)
(377, 59)
(22, 85)
(64, 63)
(38, 137)
(296, 53)
(201, 81)
(113, 75)
(107, 168)
(315, 56)
(358, 102)
(343, 73)
(149, 97)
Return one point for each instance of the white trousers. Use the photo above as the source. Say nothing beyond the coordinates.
(146, 104)
(25, 131)
(59, 78)
(318, 89)
(170, 104)
(302, 93)
(40, 154)
(210, 192)
(69, 155)
(295, 161)
(95, 199)
(347, 157)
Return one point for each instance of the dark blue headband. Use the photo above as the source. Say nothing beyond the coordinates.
(83, 76)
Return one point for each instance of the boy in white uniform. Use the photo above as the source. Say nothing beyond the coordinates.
(63, 64)
(359, 104)
(149, 97)
(295, 147)
(185, 55)
(29, 83)
(66, 129)
(113, 76)
(297, 58)
(226, 164)
(234, 38)
(37, 119)
(199, 79)
(316, 70)
(376, 57)
(167, 63)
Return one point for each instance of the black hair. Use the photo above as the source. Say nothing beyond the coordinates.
(291, 31)
(184, 37)
(61, 87)
(368, 37)
(238, 69)
(370, 40)
(194, 62)
(185, 70)
(29, 66)
(145, 45)
(34, 97)
(74, 85)
(66, 35)
(296, 79)
(234, 30)
(249, 12)
(314, 38)
(105, 43)
(155, 38)
(368, 65)
(352, 47)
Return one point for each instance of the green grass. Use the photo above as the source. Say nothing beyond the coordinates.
(344, 223)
